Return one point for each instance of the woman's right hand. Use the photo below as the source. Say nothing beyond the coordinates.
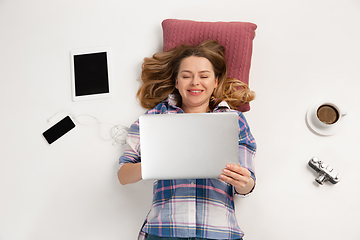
(130, 173)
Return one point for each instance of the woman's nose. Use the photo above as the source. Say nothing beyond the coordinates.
(195, 81)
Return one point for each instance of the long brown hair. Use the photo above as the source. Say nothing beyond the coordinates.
(159, 73)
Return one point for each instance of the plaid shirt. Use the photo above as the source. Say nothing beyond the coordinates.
(201, 208)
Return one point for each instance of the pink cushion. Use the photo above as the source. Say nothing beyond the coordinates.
(236, 37)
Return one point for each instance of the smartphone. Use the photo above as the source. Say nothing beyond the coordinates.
(58, 130)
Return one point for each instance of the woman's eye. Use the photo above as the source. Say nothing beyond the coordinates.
(204, 76)
(186, 76)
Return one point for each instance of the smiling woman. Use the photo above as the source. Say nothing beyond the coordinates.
(191, 79)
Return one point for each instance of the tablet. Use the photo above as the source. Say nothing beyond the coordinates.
(90, 73)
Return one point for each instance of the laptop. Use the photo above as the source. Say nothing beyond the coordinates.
(188, 146)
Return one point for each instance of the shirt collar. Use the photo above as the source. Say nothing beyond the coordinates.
(173, 100)
(222, 106)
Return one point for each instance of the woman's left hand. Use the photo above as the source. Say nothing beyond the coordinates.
(239, 177)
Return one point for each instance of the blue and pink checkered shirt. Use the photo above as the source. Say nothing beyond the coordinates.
(201, 208)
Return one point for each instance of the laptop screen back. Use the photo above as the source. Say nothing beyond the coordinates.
(188, 146)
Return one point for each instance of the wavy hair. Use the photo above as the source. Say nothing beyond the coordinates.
(159, 72)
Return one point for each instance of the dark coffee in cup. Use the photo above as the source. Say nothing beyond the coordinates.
(328, 114)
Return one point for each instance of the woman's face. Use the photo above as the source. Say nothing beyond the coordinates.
(196, 82)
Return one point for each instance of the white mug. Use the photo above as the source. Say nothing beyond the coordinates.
(327, 114)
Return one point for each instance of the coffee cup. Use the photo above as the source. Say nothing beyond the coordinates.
(327, 114)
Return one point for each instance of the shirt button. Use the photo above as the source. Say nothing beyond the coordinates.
(192, 184)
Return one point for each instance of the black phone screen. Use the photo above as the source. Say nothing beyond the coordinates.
(58, 130)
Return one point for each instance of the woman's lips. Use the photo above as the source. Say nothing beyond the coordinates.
(195, 92)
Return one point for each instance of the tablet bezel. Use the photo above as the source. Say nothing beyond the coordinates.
(84, 51)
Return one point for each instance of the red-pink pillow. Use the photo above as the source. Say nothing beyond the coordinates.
(236, 37)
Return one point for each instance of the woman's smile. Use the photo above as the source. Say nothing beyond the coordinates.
(195, 92)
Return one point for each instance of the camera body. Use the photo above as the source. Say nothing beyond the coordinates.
(325, 171)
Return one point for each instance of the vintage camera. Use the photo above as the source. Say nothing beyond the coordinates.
(326, 173)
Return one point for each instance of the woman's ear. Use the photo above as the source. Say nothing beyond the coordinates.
(216, 82)
(176, 83)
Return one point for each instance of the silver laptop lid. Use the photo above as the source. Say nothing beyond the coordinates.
(188, 146)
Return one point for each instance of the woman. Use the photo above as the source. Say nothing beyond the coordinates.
(190, 79)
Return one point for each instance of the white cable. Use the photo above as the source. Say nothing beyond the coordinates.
(117, 133)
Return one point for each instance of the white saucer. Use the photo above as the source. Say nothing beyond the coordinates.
(315, 127)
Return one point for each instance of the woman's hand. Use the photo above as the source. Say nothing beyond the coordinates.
(239, 177)
(130, 173)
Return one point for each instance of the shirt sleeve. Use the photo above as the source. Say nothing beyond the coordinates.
(132, 149)
(247, 146)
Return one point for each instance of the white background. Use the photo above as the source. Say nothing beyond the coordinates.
(304, 51)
